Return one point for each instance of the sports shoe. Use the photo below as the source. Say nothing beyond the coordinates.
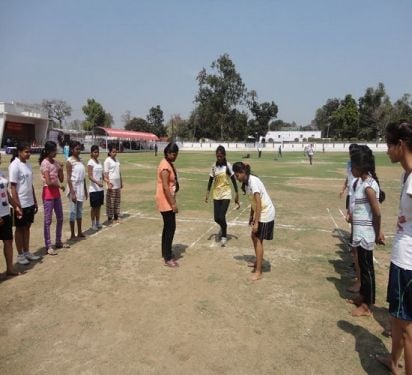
(99, 226)
(223, 241)
(21, 259)
(95, 228)
(30, 256)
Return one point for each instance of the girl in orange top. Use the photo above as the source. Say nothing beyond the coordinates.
(166, 189)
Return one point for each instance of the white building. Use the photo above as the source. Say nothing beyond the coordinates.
(22, 122)
(291, 136)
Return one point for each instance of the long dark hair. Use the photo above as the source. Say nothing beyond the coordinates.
(73, 144)
(49, 147)
(172, 147)
(362, 158)
(240, 167)
(21, 146)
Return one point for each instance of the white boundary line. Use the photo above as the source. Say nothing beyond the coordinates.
(337, 227)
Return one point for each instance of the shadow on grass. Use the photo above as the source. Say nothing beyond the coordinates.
(266, 266)
(178, 250)
(367, 346)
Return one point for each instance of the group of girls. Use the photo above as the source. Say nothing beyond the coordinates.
(262, 212)
(22, 197)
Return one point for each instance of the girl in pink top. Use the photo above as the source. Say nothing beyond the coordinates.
(166, 189)
(52, 176)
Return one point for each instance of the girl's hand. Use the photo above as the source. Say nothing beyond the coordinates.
(36, 208)
(251, 220)
(19, 212)
(237, 201)
(207, 197)
(174, 208)
(100, 184)
(255, 226)
(380, 240)
(109, 186)
(73, 196)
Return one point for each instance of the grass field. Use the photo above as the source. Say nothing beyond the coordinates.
(108, 305)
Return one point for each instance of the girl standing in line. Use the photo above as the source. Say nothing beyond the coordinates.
(222, 193)
(166, 188)
(6, 230)
(399, 141)
(22, 191)
(366, 222)
(96, 192)
(114, 182)
(262, 213)
(52, 177)
(76, 181)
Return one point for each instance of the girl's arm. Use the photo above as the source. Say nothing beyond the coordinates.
(14, 195)
(258, 210)
(121, 181)
(345, 185)
(15, 205)
(107, 180)
(85, 189)
(236, 190)
(165, 184)
(36, 207)
(60, 173)
(376, 212)
(209, 186)
(69, 169)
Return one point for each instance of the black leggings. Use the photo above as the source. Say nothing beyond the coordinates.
(169, 228)
(367, 273)
(220, 209)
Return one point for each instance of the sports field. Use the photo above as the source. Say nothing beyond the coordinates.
(108, 305)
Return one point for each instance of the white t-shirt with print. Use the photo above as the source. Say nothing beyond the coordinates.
(4, 200)
(97, 175)
(21, 174)
(112, 167)
(402, 244)
(255, 185)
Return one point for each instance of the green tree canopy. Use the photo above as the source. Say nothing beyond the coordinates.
(138, 124)
(345, 119)
(155, 120)
(95, 114)
(263, 112)
(220, 92)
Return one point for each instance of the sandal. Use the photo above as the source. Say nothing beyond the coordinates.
(51, 251)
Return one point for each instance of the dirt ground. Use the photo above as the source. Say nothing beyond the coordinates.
(108, 305)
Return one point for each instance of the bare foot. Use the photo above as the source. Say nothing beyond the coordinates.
(73, 237)
(12, 273)
(81, 235)
(362, 310)
(386, 361)
(256, 276)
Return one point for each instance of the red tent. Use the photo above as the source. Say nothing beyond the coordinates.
(127, 134)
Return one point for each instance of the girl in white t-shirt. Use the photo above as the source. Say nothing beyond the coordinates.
(96, 192)
(399, 141)
(22, 191)
(76, 180)
(113, 178)
(262, 213)
(6, 230)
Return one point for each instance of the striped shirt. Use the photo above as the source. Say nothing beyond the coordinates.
(362, 217)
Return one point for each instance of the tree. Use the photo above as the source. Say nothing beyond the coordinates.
(374, 108)
(178, 128)
(402, 109)
(220, 92)
(95, 114)
(57, 110)
(155, 121)
(108, 120)
(345, 119)
(263, 113)
(138, 124)
(323, 116)
(126, 117)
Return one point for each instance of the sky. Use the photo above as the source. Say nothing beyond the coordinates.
(133, 55)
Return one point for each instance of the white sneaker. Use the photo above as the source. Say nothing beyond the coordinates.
(223, 241)
(31, 256)
(99, 226)
(21, 259)
(94, 227)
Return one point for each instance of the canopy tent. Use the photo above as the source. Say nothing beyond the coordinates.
(126, 134)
